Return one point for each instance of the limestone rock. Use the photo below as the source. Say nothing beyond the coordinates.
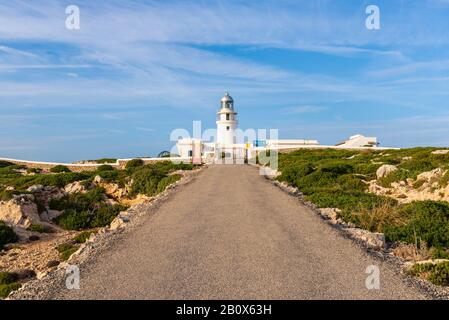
(36, 188)
(373, 240)
(21, 211)
(431, 175)
(385, 170)
(120, 221)
(75, 187)
(330, 213)
(440, 152)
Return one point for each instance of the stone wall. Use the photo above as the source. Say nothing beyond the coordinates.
(121, 163)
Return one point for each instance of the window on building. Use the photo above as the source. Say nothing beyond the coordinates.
(227, 128)
(227, 116)
(190, 153)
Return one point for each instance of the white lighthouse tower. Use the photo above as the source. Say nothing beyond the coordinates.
(226, 123)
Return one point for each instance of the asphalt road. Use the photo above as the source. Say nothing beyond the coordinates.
(230, 234)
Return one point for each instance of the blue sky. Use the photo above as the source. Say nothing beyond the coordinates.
(138, 69)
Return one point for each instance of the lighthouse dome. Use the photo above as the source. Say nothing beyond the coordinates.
(227, 101)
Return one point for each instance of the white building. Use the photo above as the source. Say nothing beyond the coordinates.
(359, 141)
(226, 145)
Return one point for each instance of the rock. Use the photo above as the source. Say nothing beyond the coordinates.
(373, 240)
(53, 214)
(75, 187)
(431, 175)
(26, 274)
(385, 170)
(20, 211)
(36, 188)
(33, 238)
(98, 180)
(330, 213)
(52, 263)
(119, 222)
(440, 152)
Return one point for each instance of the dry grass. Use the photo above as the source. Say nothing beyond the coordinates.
(412, 252)
(380, 217)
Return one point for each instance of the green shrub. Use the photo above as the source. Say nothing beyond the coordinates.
(40, 228)
(105, 167)
(7, 235)
(106, 160)
(337, 168)
(4, 164)
(395, 176)
(427, 221)
(8, 277)
(66, 250)
(84, 210)
(59, 169)
(6, 195)
(6, 289)
(145, 181)
(83, 237)
(135, 163)
(293, 172)
(34, 170)
(438, 274)
(166, 181)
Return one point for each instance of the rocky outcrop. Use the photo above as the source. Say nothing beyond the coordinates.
(20, 211)
(120, 221)
(385, 170)
(75, 187)
(425, 187)
(440, 152)
(112, 190)
(372, 240)
(330, 213)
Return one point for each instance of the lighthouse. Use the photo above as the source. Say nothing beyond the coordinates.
(226, 122)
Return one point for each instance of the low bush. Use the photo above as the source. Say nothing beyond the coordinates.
(135, 163)
(105, 167)
(85, 210)
(34, 170)
(40, 228)
(8, 277)
(82, 237)
(145, 181)
(438, 274)
(106, 160)
(293, 172)
(6, 289)
(6, 195)
(426, 220)
(7, 235)
(4, 164)
(66, 250)
(59, 169)
(166, 181)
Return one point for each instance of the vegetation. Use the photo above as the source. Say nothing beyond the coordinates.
(59, 169)
(66, 250)
(135, 163)
(436, 273)
(8, 283)
(339, 179)
(83, 237)
(7, 235)
(106, 160)
(40, 228)
(85, 210)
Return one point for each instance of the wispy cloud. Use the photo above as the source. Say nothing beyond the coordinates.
(303, 109)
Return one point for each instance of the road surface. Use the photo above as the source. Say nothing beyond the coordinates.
(230, 234)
